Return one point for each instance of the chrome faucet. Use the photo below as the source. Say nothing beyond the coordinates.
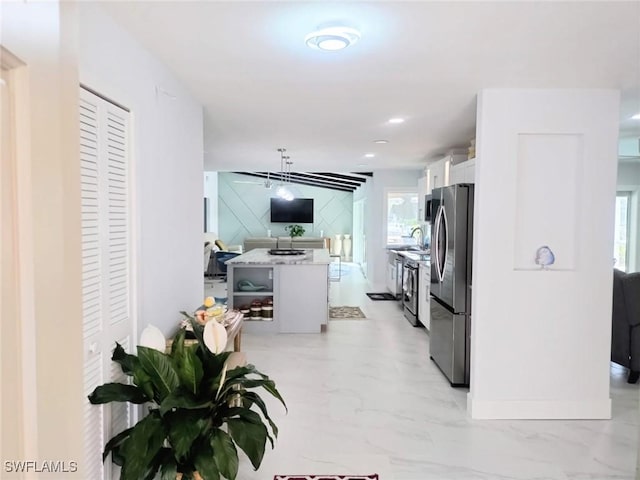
(421, 237)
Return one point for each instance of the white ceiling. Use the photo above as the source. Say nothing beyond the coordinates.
(263, 88)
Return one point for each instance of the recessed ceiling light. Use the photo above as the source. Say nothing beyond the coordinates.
(369, 155)
(636, 117)
(381, 141)
(396, 120)
(363, 164)
(332, 38)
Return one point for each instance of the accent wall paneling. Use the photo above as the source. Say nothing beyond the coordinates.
(244, 209)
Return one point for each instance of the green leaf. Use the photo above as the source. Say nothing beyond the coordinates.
(178, 342)
(198, 330)
(188, 366)
(127, 362)
(205, 463)
(143, 380)
(268, 385)
(163, 457)
(224, 454)
(252, 398)
(117, 392)
(248, 416)
(250, 437)
(212, 369)
(169, 470)
(181, 399)
(183, 430)
(115, 442)
(141, 447)
(158, 366)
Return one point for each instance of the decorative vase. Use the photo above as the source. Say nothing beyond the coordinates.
(346, 246)
(337, 246)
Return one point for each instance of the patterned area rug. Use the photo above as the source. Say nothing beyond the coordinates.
(346, 313)
(325, 477)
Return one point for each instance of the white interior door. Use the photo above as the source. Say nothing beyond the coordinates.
(106, 266)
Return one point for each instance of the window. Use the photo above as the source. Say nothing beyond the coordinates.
(402, 216)
(621, 231)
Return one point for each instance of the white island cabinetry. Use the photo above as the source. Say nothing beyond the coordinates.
(424, 284)
(297, 286)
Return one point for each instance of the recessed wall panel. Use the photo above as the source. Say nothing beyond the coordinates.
(548, 181)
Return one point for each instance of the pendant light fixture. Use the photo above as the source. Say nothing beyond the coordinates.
(282, 191)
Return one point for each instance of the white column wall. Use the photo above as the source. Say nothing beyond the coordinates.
(167, 139)
(540, 340)
(42, 35)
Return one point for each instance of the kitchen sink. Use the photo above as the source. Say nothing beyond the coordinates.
(403, 248)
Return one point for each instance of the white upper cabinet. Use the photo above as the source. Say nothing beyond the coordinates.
(464, 172)
(422, 191)
(443, 172)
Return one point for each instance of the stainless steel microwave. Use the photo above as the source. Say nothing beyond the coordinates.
(428, 209)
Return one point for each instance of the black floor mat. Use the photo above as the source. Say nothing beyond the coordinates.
(381, 296)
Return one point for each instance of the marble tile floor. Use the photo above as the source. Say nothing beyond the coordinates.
(365, 398)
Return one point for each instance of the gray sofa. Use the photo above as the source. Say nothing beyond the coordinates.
(625, 322)
(283, 242)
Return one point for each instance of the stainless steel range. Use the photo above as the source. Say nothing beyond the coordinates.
(411, 286)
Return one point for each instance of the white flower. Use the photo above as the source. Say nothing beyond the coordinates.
(152, 337)
(215, 337)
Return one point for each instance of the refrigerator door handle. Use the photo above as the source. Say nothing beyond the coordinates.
(441, 218)
(436, 242)
(443, 267)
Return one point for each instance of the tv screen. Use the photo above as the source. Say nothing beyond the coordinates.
(298, 210)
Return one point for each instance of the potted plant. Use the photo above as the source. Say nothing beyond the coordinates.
(294, 230)
(201, 407)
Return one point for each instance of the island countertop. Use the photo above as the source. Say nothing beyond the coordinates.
(261, 256)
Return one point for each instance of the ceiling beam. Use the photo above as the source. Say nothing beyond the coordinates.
(276, 177)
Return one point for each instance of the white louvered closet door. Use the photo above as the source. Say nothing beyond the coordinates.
(106, 268)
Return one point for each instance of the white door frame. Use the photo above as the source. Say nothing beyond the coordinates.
(25, 323)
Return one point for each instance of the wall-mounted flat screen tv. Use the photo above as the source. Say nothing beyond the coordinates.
(298, 210)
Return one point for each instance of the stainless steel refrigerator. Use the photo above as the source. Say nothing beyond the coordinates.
(451, 255)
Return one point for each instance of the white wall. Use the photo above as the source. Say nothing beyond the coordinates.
(211, 192)
(245, 209)
(376, 211)
(167, 135)
(540, 340)
(629, 181)
(42, 35)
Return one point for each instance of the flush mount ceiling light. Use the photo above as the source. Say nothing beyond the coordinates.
(636, 117)
(396, 120)
(332, 38)
(369, 155)
(381, 141)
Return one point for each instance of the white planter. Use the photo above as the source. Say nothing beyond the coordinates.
(346, 246)
(337, 244)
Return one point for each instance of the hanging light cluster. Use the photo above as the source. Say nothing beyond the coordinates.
(282, 191)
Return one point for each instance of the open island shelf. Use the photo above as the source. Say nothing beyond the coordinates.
(297, 287)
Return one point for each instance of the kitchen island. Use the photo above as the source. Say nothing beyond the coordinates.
(280, 293)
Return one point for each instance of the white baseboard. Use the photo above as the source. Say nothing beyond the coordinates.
(539, 409)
